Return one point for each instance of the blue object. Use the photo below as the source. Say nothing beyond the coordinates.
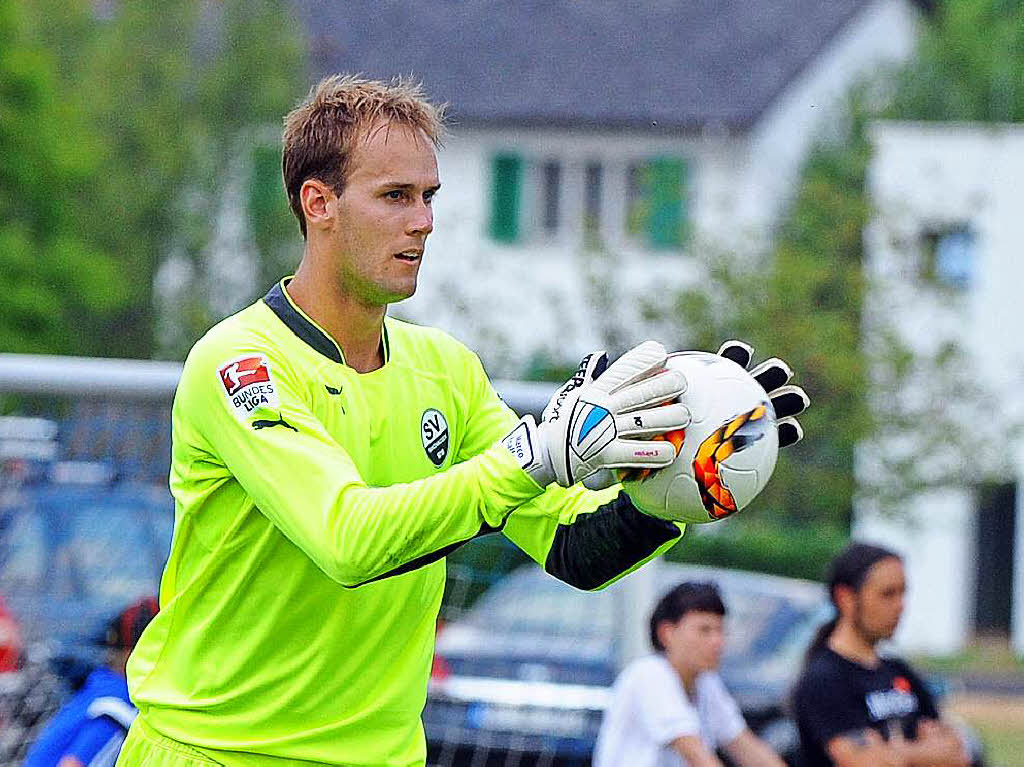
(91, 726)
(594, 417)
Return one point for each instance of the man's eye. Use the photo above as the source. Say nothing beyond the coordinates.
(395, 194)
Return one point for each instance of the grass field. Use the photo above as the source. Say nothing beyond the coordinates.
(998, 718)
(1000, 722)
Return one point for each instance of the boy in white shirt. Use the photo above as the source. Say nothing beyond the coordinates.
(671, 709)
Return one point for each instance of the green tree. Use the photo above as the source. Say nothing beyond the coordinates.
(254, 71)
(135, 86)
(119, 85)
(140, 111)
(969, 67)
(54, 278)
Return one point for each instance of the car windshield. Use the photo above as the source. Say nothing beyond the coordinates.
(763, 613)
(90, 550)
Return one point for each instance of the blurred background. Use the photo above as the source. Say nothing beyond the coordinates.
(833, 182)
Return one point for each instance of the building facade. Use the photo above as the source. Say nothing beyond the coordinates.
(944, 265)
(600, 152)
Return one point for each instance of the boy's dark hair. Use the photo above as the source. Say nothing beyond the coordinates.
(850, 568)
(687, 597)
(124, 630)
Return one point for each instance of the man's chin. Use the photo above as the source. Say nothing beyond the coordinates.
(395, 293)
(402, 295)
(884, 635)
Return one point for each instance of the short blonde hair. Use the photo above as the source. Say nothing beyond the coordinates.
(320, 133)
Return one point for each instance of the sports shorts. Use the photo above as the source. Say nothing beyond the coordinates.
(144, 747)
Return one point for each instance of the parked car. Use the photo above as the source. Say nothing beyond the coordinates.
(528, 670)
(72, 555)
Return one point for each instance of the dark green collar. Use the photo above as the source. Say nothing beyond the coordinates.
(307, 330)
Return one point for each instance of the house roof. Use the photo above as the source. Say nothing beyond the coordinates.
(679, 64)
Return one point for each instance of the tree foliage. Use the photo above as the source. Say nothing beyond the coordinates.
(969, 67)
(119, 123)
(55, 278)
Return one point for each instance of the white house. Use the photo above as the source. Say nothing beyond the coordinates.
(599, 148)
(943, 254)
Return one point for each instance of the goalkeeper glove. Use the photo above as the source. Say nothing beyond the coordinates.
(772, 374)
(585, 426)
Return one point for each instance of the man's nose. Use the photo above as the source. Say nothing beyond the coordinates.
(422, 221)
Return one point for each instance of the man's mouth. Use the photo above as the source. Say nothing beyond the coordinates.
(409, 256)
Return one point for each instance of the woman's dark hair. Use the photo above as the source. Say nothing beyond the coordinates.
(849, 568)
(687, 597)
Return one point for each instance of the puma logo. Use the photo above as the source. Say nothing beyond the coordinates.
(334, 392)
(262, 424)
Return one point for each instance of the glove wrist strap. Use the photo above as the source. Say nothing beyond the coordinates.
(525, 445)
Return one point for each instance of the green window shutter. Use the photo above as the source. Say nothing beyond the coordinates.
(506, 182)
(665, 192)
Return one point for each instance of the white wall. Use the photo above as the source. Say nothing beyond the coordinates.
(927, 176)
(547, 295)
(933, 536)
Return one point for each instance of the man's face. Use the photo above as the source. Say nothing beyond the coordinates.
(878, 604)
(384, 215)
(695, 641)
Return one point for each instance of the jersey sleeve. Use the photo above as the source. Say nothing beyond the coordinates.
(307, 485)
(587, 539)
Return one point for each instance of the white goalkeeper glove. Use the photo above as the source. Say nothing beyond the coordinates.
(586, 426)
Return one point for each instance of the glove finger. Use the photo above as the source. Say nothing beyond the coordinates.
(789, 400)
(592, 366)
(655, 390)
(600, 479)
(789, 432)
(737, 351)
(637, 454)
(653, 421)
(771, 374)
(638, 363)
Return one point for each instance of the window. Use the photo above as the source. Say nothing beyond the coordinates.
(506, 191)
(551, 180)
(534, 196)
(656, 213)
(949, 256)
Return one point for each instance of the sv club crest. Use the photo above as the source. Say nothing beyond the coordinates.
(434, 433)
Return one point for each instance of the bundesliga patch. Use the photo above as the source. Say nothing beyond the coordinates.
(248, 385)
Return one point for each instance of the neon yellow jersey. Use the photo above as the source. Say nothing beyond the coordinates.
(313, 508)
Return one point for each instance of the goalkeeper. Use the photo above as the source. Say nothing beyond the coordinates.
(326, 457)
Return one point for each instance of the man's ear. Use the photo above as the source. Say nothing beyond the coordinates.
(844, 597)
(664, 630)
(315, 195)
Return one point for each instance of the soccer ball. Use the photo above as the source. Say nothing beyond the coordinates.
(724, 458)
